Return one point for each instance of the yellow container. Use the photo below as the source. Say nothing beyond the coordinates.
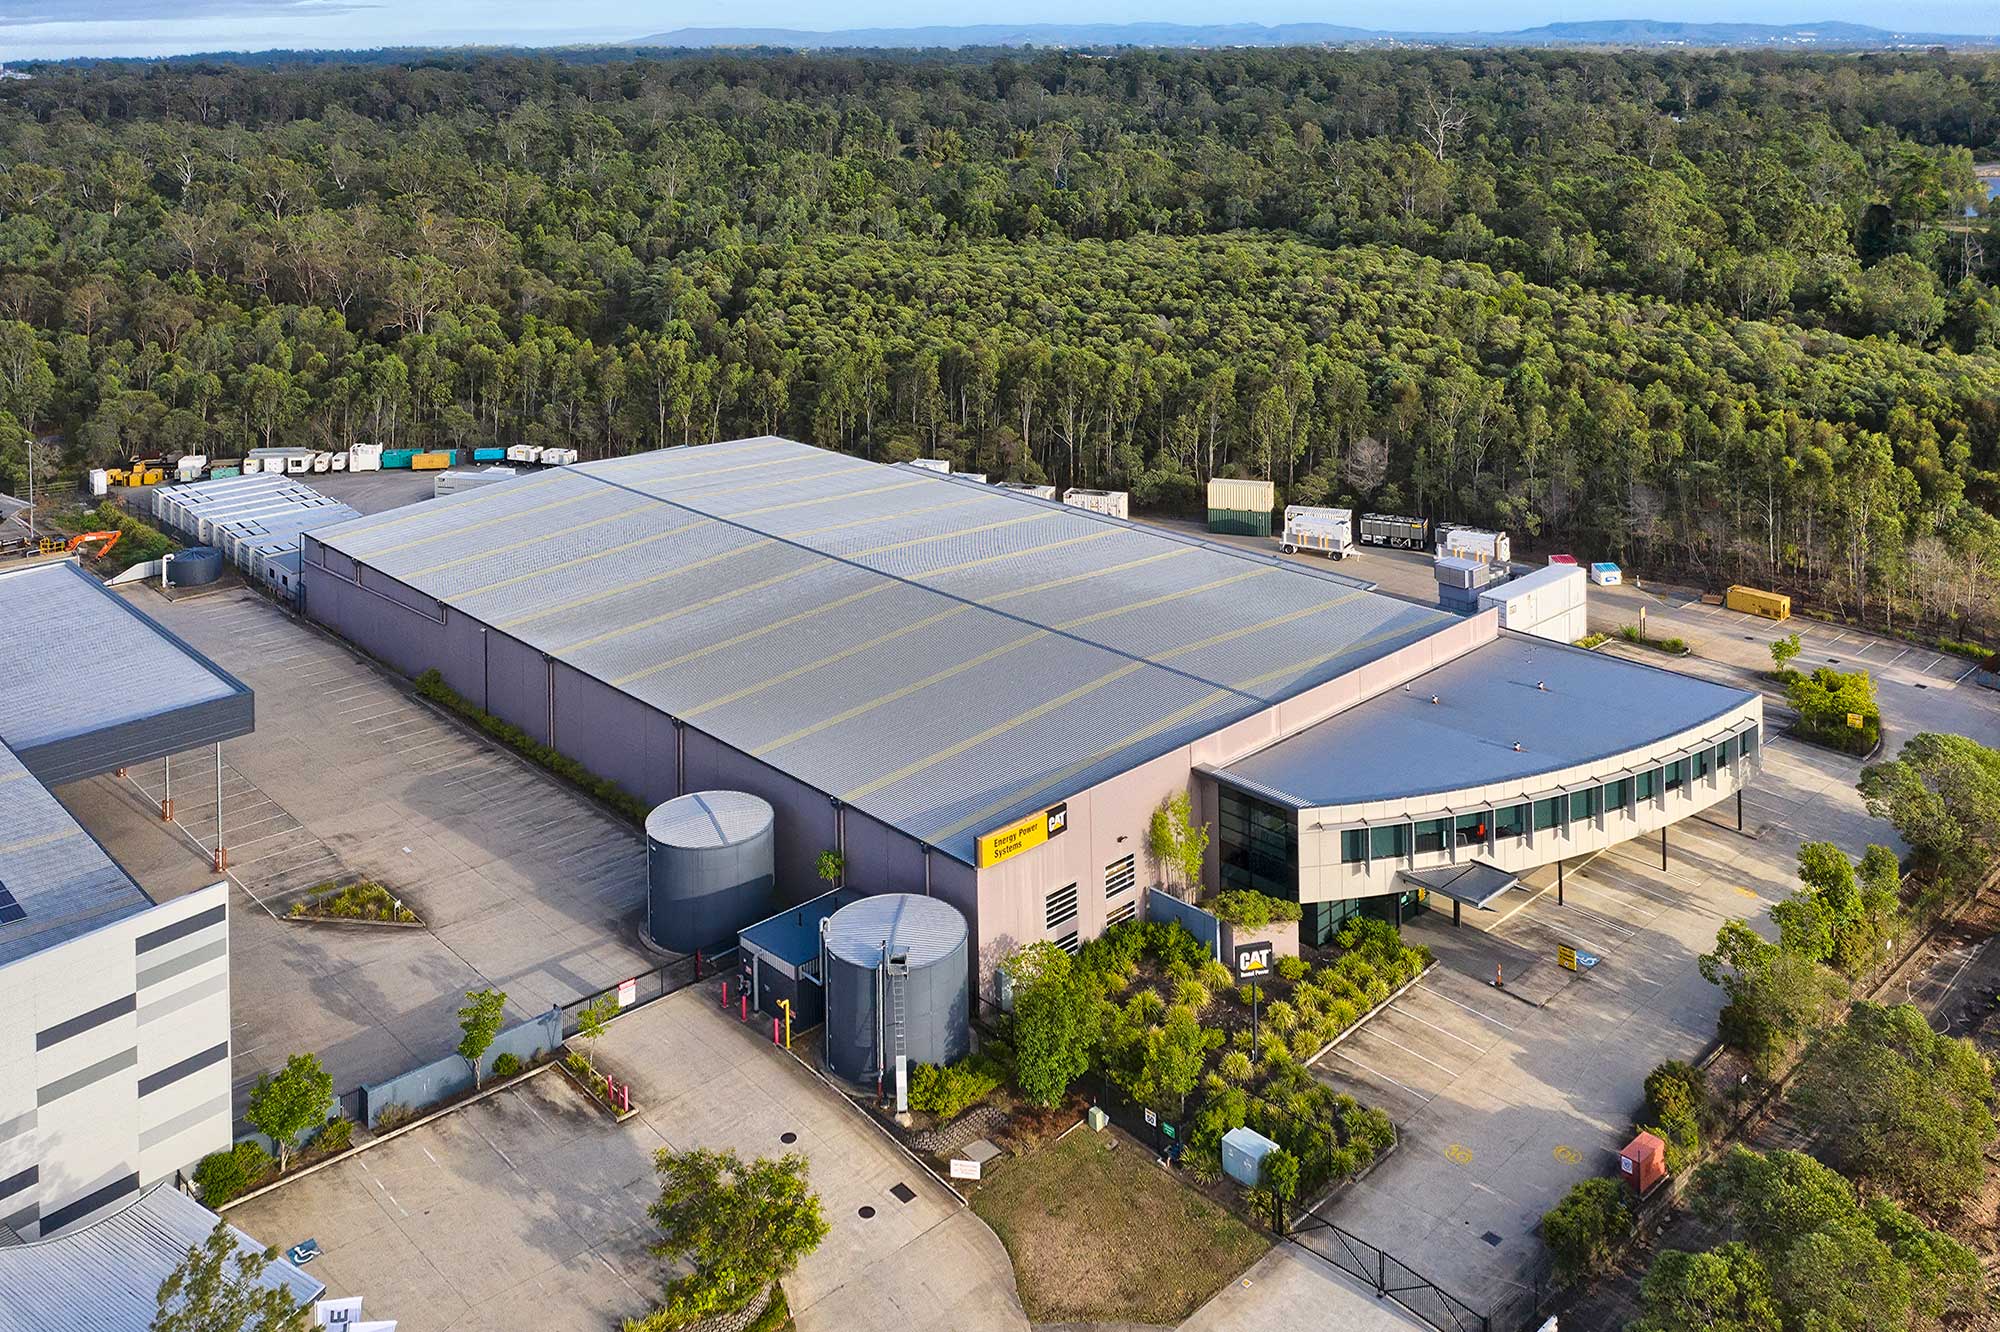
(430, 462)
(1755, 601)
(1242, 496)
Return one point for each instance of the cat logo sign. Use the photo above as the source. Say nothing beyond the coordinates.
(1025, 835)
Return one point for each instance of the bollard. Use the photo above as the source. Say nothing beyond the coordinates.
(725, 994)
(774, 1031)
(746, 1005)
(1498, 983)
(697, 964)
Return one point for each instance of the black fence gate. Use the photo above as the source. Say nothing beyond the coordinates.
(1388, 1276)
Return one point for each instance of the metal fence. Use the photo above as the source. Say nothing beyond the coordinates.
(1389, 1277)
(655, 984)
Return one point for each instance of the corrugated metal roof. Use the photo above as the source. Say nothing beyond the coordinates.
(1400, 744)
(941, 654)
(82, 660)
(923, 928)
(106, 1276)
(1548, 576)
(61, 880)
(708, 819)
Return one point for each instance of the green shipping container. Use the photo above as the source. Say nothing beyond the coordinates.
(1237, 522)
(217, 473)
(397, 457)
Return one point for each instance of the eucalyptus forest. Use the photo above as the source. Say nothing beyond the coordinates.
(1720, 316)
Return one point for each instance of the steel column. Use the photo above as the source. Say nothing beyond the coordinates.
(167, 790)
(221, 852)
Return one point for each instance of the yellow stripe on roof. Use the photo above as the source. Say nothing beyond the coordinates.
(748, 636)
(1040, 710)
(914, 686)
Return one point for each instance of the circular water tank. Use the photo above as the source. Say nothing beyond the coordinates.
(708, 869)
(890, 955)
(194, 567)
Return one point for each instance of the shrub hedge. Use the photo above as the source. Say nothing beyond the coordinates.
(431, 685)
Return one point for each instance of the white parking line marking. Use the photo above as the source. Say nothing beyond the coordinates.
(1375, 1034)
(1398, 1008)
(1468, 1008)
(1342, 1052)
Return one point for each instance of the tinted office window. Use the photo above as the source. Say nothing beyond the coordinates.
(1676, 774)
(1258, 844)
(1647, 784)
(1700, 761)
(1747, 742)
(1471, 830)
(1390, 843)
(1548, 813)
(1722, 756)
(1582, 804)
(1511, 821)
(1353, 845)
(1617, 795)
(1430, 835)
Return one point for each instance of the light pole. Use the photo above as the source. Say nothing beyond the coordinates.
(29, 444)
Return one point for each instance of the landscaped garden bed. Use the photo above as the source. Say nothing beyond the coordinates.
(366, 902)
(1673, 647)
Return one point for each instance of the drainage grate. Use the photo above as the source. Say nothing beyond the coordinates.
(903, 1193)
(1491, 1238)
(1923, 686)
(788, 1138)
(866, 1212)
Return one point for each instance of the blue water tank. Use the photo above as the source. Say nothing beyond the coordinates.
(196, 566)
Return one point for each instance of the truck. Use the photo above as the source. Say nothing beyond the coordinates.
(1473, 543)
(1328, 532)
(1388, 529)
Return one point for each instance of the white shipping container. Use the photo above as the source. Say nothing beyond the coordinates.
(339, 463)
(100, 482)
(252, 466)
(1023, 487)
(1528, 600)
(980, 477)
(1474, 543)
(322, 462)
(1114, 503)
(1317, 528)
(941, 465)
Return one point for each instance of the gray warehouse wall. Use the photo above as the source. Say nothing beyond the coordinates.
(805, 815)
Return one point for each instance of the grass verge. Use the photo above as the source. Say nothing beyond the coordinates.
(366, 900)
(1100, 1234)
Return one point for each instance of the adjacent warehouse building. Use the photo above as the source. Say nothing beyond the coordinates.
(114, 1009)
(968, 692)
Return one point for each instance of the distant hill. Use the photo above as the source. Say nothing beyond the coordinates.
(1600, 32)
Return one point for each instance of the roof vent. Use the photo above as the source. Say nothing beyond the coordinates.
(1542, 685)
(1517, 746)
(1434, 698)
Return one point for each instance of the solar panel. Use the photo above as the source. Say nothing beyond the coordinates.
(10, 910)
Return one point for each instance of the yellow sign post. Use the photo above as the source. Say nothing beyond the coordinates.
(1854, 720)
(1023, 835)
(1566, 957)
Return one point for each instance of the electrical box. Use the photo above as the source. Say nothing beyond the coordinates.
(1243, 1153)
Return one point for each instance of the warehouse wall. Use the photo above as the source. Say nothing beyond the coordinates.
(114, 1062)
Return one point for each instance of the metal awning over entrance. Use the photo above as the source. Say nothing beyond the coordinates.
(1474, 884)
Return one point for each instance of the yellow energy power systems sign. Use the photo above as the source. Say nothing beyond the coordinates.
(1005, 843)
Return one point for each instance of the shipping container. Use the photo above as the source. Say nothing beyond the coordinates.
(397, 458)
(1606, 574)
(941, 465)
(1562, 559)
(489, 455)
(1024, 488)
(1755, 601)
(559, 457)
(980, 477)
(253, 465)
(322, 462)
(1320, 530)
(430, 462)
(1474, 543)
(365, 458)
(1453, 571)
(299, 464)
(191, 467)
(1112, 503)
(1238, 507)
(337, 462)
(1542, 603)
(526, 453)
(218, 473)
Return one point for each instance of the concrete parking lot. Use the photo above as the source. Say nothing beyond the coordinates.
(1505, 1097)
(523, 884)
(527, 1209)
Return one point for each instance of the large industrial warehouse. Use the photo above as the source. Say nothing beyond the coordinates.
(982, 696)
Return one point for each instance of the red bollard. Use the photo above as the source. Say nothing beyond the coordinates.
(697, 964)
(746, 1006)
(725, 994)
(775, 1039)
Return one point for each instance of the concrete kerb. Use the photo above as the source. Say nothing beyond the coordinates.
(376, 1140)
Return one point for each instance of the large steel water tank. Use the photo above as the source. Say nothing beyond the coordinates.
(895, 965)
(708, 869)
(196, 566)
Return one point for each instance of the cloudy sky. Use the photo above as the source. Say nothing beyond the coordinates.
(55, 28)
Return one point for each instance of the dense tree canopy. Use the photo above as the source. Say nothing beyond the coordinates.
(1718, 311)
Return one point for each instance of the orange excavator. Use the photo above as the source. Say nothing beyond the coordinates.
(103, 540)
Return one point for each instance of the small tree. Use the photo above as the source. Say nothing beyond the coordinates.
(1783, 650)
(1581, 1229)
(739, 1225)
(217, 1289)
(1055, 1021)
(298, 1098)
(831, 866)
(590, 1022)
(1279, 1174)
(1177, 844)
(480, 1021)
